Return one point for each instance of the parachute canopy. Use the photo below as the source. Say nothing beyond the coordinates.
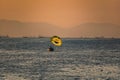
(56, 41)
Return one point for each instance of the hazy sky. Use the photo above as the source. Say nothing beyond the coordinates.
(62, 13)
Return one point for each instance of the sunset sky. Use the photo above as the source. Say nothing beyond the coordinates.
(61, 13)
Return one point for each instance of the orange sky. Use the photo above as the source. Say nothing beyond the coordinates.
(62, 13)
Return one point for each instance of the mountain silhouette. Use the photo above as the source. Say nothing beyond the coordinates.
(16, 28)
(95, 30)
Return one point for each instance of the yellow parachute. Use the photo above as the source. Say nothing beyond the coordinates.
(56, 41)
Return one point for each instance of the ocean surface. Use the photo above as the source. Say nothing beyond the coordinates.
(76, 59)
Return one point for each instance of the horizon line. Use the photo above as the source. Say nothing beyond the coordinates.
(96, 37)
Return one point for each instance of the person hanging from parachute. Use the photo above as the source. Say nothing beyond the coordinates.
(56, 41)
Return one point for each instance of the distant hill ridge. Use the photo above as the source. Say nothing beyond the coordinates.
(96, 29)
(17, 28)
(27, 29)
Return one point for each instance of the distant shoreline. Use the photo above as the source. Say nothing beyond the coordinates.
(63, 37)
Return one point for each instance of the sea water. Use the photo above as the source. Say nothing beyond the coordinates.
(76, 59)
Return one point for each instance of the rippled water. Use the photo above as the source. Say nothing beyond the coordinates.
(76, 59)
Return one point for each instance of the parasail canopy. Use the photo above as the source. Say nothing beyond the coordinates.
(56, 41)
